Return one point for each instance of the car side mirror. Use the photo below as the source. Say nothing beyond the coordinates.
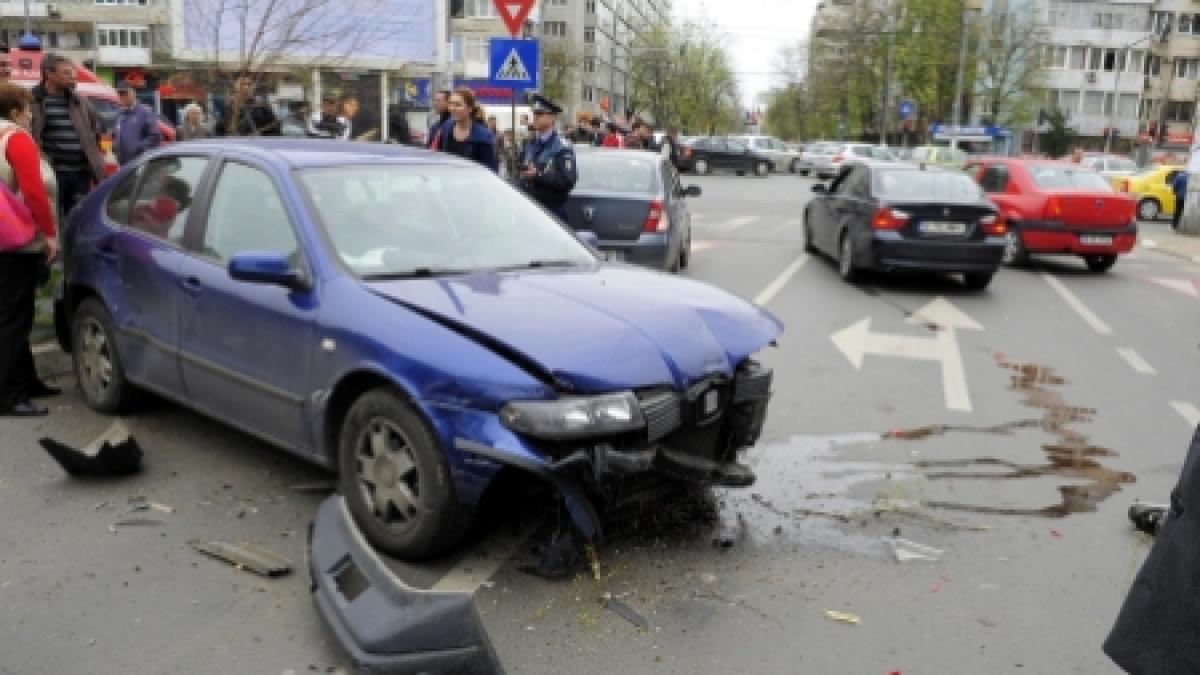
(691, 191)
(820, 188)
(267, 268)
(588, 238)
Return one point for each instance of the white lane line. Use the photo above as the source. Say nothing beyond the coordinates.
(1076, 304)
(740, 221)
(1188, 412)
(780, 281)
(1136, 361)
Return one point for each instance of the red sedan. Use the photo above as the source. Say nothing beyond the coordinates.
(1057, 207)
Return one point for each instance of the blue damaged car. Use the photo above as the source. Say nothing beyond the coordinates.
(408, 320)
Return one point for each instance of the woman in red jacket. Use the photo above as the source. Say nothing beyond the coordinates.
(27, 175)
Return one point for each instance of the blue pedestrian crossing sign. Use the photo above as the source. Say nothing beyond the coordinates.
(907, 109)
(514, 63)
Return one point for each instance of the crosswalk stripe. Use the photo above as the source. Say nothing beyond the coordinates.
(1136, 361)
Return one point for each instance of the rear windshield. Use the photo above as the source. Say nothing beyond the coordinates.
(1068, 178)
(618, 172)
(936, 185)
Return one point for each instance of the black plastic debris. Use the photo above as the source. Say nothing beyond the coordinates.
(625, 612)
(114, 453)
(245, 556)
(315, 487)
(1148, 518)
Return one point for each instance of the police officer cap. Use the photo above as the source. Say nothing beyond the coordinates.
(542, 104)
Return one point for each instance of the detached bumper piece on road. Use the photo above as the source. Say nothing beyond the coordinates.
(382, 623)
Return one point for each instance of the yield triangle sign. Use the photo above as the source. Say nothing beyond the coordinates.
(514, 13)
(513, 68)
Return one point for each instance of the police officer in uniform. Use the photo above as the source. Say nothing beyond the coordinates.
(548, 171)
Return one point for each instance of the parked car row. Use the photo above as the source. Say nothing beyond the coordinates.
(896, 216)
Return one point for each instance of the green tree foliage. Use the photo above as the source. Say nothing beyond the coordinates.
(683, 76)
(559, 71)
(1059, 139)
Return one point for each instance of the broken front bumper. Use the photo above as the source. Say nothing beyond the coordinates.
(384, 624)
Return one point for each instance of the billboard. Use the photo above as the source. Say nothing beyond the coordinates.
(271, 32)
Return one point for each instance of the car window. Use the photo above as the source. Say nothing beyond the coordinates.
(881, 153)
(700, 144)
(164, 199)
(246, 214)
(859, 184)
(734, 145)
(861, 151)
(385, 220)
(106, 110)
(994, 179)
(913, 184)
(121, 197)
(1068, 178)
(617, 172)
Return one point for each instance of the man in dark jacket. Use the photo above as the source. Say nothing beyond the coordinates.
(1179, 185)
(1156, 632)
(548, 164)
(253, 117)
(136, 128)
(67, 129)
(441, 106)
(398, 129)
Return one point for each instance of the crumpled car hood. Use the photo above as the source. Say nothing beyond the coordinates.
(596, 329)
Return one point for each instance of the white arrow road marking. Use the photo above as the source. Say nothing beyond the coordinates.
(780, 281)
(857, 340)
(1136, 361)
(1077, 305)
(1188, 412)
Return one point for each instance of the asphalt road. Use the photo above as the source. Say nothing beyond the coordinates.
(1029, 417)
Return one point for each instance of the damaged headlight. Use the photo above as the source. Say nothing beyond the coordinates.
(575, 417)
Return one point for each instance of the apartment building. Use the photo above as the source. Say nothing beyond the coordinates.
(1169, 102)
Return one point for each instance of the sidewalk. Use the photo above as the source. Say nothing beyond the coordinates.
(1158, 236)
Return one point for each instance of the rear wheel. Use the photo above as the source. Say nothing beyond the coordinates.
(702, 167)
(97, 363)
(1100, 263)
(977, 281)
(762, 169)
(396, 479)
(1015, 254)
(847, 268)
(809, 247)
(1148, 209)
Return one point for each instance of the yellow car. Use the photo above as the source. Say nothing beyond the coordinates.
(1152, 190)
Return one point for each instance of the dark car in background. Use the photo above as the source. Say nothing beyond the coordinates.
(722, 153)
(892, 216)
(634, 203)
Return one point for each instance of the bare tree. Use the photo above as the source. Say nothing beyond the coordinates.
(1010, 70)
(250, 38)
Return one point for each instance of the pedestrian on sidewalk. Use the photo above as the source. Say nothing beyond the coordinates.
(136, 127)
(466, 133)
(1179, 185)
(326, 123)
(194, 126)
(441, 106)
(67, 129)
(613, 139)
(548, 171)
(27, 175)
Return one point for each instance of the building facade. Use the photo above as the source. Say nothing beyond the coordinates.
(104, 34)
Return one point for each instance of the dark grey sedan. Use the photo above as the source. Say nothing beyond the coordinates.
(891, 216)
(634, 203)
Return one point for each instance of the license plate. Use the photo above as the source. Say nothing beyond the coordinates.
(942, 227)
(1095, 240)
(614, 256)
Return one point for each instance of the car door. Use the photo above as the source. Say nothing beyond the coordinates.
(855, 205)
(148, 251)
(676, 207)
(245, 348)
(823, 216)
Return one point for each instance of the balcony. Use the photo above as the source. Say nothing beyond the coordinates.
(123, 56)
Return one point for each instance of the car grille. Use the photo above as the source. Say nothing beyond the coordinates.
(752, 384)
(663, 413)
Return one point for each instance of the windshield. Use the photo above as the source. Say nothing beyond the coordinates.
(394, 221)
(927, 185)
(1067, 178)
(618, 173)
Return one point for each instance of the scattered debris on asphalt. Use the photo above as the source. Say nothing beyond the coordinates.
(729, 531)
(138, 522)
(140, 503)
(906, 550)
(1148, 518)
(315, 487)
(114, 453)
(245, 556)
(624, 611)
(844, 617)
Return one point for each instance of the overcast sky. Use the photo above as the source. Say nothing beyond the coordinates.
(756, 30)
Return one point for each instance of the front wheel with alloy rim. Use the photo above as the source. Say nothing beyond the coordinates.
(1148, 209)
(1014, 249)
(97, 364)
(702, 167)
(1100, 263)
(846, 266)
(396, 479)
(762, 169)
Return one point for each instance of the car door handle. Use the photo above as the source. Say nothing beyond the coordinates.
(191, 284)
